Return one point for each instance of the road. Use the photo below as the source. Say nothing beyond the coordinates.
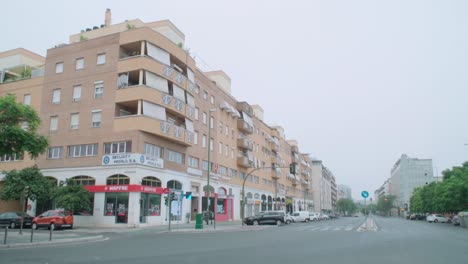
(333, 241)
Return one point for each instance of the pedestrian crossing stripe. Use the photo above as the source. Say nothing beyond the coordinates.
(325, 228)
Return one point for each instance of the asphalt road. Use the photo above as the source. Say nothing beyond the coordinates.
(333, 241)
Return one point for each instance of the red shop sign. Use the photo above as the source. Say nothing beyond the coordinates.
(125, 188)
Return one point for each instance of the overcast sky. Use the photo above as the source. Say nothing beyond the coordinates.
(356, 83)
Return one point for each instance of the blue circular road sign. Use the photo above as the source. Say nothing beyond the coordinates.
(365, 194)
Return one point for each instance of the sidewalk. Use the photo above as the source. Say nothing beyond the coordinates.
(90, 234)
(42, 237)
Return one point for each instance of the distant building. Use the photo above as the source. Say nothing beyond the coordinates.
(344, 192)
(408, 174)
(385, 189)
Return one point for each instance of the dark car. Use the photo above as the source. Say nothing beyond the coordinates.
(13, 219)
(53, 219)
(267, 217)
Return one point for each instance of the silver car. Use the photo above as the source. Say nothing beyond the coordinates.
(436, 218)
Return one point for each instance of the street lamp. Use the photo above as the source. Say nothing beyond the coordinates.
(209, 168)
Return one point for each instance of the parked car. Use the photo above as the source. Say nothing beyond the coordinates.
(267, 217)
(417, 217)
(288, 219)
(301, 216)
(13, 219)
(314, 216)
(437, 218)
(456, 220)
(324, 216)
(53, 219)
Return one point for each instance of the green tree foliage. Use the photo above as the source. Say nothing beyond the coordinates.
(72, 196)
(385, 204)
(346, 206)
(28, 183)
(450, 195)
(18, 129)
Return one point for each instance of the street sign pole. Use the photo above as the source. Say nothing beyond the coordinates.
(365, 194)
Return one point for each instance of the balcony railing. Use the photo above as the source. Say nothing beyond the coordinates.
(156, 127)
(244, 126)
(245, 143)
(244, 161)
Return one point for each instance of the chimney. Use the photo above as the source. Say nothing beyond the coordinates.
(107, 21)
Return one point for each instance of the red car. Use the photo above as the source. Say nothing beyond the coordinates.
(53, 219)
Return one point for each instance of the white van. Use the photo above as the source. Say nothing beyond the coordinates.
(301, 216)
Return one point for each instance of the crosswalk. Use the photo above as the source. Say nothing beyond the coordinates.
(307, 228)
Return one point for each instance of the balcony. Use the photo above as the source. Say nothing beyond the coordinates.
(295, 149)
(275, 159)
(133, 63)
(275, 175)
(243, 126)
(245, 107)
(273, 146)
(153, 126)
(132, 94)
(244, 161)
(245, 143)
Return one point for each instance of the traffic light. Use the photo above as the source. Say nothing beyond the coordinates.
(292, 168)
(172, 196)
(188, 195)
(165, 201)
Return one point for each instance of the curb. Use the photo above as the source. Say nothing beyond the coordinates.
(199, 231)
(56, 242)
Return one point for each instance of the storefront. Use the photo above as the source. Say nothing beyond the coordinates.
(119, 202)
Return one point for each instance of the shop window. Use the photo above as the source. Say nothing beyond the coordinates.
(116, 204)
(221, 206)
(174, 185)
(152, 204)
(151, 181)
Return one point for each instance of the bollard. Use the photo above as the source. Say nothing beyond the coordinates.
(6, 234)
(32, 233)
(50, 236)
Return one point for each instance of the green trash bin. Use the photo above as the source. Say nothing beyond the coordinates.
(199, 221)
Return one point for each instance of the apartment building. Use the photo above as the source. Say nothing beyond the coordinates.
(131, 117)
(407, 174)
(344, 192)
(384, 190)
(21, 74)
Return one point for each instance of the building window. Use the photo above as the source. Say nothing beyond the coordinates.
(193, 162)
(76, 93)
(211, 144)
(211, 122)
(232, 153)
(204, 118)
(87, 150)
(116, 205)
(195, 138)
(175, 156)
(98, 89)
(74, 120)
(55, 152)
(226, 150)
(223, 170)
(118, 147)
(101, 59)
(53, 123)
(227, 131)
(27, 99)
(196, 113)
(79, 64)
(205, 95)
(56, 96)
(205, 165)
(151, 181)
(220, 127)
(233, 173)
(59, 67)
(96, 118)
(220, 148)
(204, 141)
(233, 133)
(8, 157)
(153, 150)
(117, 179)
(212, 100)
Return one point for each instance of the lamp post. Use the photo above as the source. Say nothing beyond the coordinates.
(209, 168)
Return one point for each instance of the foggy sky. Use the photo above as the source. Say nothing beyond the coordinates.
(356, 83)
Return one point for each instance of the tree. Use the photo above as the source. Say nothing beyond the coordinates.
(18, 129)
(72, 196)
(385, 204)
(28, 183)
(346, 206)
